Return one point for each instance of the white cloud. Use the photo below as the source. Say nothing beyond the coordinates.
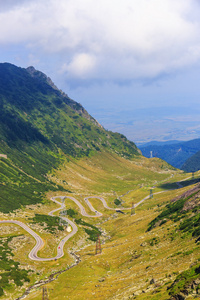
(116, 40)
(81, 65)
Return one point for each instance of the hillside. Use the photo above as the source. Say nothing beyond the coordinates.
(175, 154)
(39, 127)
(192, 163)
(135, 262)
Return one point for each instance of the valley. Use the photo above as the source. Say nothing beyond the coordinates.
(68, 188)
(121, 234)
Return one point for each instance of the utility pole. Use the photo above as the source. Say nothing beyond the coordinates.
(192, 175)
(151, 154)
(98, 245)
(151, 194)
(133, 209)
(44, 293)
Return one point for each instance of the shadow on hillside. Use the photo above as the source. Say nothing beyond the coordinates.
(178, 185)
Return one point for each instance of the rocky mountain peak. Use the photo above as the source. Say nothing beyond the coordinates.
(43, 77)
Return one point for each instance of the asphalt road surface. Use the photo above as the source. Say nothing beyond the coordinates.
(60, 252)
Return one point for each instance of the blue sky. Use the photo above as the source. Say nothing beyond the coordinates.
(133, 64)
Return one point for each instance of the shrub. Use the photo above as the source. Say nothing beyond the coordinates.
(117, 202)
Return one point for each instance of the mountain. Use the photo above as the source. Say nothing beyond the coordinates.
(158, 143)
(192, 164)
(175, 154)
(39, 125)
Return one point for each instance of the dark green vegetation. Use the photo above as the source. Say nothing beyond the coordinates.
(176, 154)
(93, 233)
(191, 224)
(186, 282)
(117, 202)
(39, 125)
(17, 188)
(9, 268)
(186, 209)
(154, 241)
(70, 212)
(50, 223)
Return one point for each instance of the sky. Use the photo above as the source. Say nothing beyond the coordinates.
(133, 64)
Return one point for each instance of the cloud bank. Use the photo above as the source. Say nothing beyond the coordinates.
(105, 40)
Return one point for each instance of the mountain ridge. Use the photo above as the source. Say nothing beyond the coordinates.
(175, 154)
(192, 163)
(73, 104)
(40, 126)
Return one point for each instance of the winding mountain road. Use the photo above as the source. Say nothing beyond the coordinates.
(60, 252)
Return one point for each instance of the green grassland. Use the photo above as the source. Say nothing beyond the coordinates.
(134, 263)
(123, 260)
(106, 172)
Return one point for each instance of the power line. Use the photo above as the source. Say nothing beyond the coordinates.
(133, 209)
(44, 293)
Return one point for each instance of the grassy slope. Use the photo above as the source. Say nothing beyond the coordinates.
(131, 257)
(186, 209)
(106, 172)
(18, 188)
(38, 127)
(123, 261)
